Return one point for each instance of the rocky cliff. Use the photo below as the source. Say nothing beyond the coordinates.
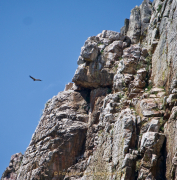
(117, 120)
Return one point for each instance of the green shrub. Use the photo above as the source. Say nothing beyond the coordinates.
(159, 8)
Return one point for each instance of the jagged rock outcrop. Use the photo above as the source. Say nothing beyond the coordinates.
(97, 59)
(12, 171)
(136, 27)
(59, 138)
(161, 39)
(117, 120)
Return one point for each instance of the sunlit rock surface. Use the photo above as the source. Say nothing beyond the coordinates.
(117, 119)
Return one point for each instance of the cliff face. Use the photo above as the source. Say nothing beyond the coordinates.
(117, 120)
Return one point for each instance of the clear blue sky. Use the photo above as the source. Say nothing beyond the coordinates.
(43, 38)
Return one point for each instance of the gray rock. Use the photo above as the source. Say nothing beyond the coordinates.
(152, 140)
(89, 51)
(13, 169)
(98, 57)
(134, 29)
(171, 100)
(54, 134)
(116, 49)
(124, 29)
(154, 125)
(80, 60)
(93, 129)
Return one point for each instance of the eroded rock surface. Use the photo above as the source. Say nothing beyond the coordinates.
(58, 141)
(12, 171)
(117, 120)
(97, 59)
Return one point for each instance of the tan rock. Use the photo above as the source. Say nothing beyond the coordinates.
(156, 90)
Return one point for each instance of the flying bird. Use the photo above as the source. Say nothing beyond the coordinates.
(35, 79)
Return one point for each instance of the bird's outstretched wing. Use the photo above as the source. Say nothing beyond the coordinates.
(35, 79)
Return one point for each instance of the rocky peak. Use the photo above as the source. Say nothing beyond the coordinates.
(136, 26)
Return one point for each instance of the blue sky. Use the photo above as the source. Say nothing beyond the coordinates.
(43, 38)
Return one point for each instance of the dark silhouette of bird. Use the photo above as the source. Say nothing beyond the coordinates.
(35, 79)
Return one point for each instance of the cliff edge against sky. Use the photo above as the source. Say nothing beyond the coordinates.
(117, 120)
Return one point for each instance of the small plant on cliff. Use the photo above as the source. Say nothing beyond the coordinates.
(138, 165)
(149, 87)
(162, 122)
(100, 132)
(139, 65)
(162, 128)
(148, 61)
(120, 96)
(116, 66)
(99, 44)
(159, 8)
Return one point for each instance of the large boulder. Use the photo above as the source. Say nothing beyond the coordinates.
(90, 51)
(98, 59)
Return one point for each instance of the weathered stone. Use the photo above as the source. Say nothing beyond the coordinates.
(144, 52)
(80, 60)
(141, 74)
(92, 76)
(145, 12)
(152, 96)
(124, 29)
(96, 68)
(124, 127)
(114, 51)
(89, 51)
(152, 140)
(134, 29)
(174, 91)
(118, 82)
(12, 171)
(68, 86)
(63, 131)
(156, 90)
(128, 78)
(129, 160)
(164, 58)
(149, 107)
(114, 36)
(171, 100)
(93, 129)
(154, 125)
(161, 94)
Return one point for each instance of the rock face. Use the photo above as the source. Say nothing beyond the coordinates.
(97, 59)
(117, 120)
(12, 171)
(58, 141)
(136, 27)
